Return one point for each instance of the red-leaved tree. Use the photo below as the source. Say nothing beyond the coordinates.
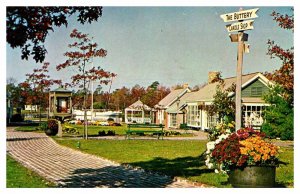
(28, 27)
(284, 76)
(83, 50)
(279, 116)
(37, 86)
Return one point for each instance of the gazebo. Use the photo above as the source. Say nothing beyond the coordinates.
(60, 104)
(138, 112)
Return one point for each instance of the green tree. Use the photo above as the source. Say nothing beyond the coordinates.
(15, 93)
(223, 105)
(279, 117)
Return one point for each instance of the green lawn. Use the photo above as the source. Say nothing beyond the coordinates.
(28, 128)
(285, 172)
(17, 176)
(93, 130)
(174, 158)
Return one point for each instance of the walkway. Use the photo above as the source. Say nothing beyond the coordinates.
(71, 168)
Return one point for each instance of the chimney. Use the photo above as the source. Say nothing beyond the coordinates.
(185, 85)
(213, 76)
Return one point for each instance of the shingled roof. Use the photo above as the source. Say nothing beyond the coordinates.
(175, 108)
(171, 98)
(139, 105)
(61, 89)
(208, 91)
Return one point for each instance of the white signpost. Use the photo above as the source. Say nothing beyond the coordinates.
(239, 27)
(245, 25)
(241, 15)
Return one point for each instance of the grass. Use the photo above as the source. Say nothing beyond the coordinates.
(174, 158)
(120, 130)
(17, 176)
(285, 171)
(28, 128)
(93, 130)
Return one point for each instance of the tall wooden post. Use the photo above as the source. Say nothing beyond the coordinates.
(238, 100)
(239, 27)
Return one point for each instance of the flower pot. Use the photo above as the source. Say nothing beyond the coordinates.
(253, 177)
(51, 132)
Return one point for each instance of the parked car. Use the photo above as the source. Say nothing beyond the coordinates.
(115, 124)
(72, 122)
(101, 123)
(104, 123)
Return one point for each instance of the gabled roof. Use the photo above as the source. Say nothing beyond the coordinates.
(139, 105)
(175, 108)
(60, 89)
(259, 76)
(208, 91)
(171, 98)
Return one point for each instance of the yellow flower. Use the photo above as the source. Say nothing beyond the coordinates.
(257, 157)
(252, 154)
(230, 125)
(265, 157)
(244, 151)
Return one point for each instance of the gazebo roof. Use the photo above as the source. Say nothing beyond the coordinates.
(139, 105)
(61, 89)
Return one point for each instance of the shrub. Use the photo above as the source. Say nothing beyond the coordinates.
(101, 133)
(221, 128)
(279, 116)
(111, 133)
(171, 133)
(52, 127)
(285, 130)
(70, 130)
(43, 126)
(183, 126)
(110, 120)
(167, 133)
(17, 118)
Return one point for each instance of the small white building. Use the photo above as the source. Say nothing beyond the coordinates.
(33, 108)
(139, 112)
(97, 115)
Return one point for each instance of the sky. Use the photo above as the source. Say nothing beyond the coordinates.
(171, 45)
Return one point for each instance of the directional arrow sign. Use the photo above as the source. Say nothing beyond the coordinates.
(241, 15)
(240, 26)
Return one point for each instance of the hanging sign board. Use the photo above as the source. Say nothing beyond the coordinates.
(240, 26)
(241, 15)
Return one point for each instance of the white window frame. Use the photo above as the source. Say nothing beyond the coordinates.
(194, 116)
(212, 121)
(173, 120)
(252, 115)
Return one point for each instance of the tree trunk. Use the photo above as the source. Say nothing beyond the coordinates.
(85, 124)
(84, 105)
(40, 112)
(40, 115)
